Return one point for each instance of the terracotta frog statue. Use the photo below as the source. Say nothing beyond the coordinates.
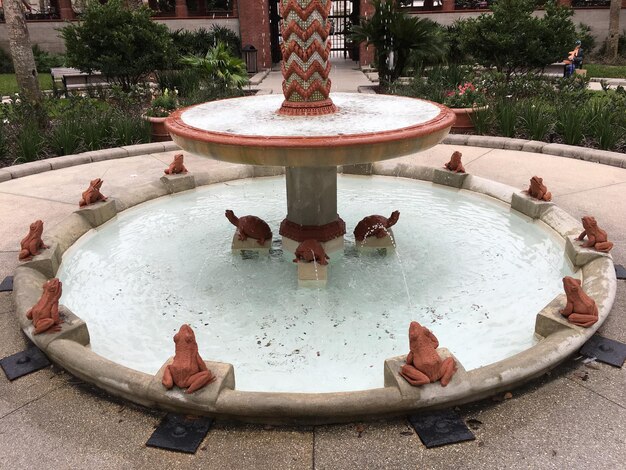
(580, 309)
(375, 226)
(311, 251)
(455, 164)
(176, 166)
(596, 237)
(423, 364)
(93, 194)
(538, 190)
(188, 370)
(250, 226)
(32, 244)
(45, 313)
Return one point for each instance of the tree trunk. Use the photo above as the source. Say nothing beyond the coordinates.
(21, 52)
(613, 38)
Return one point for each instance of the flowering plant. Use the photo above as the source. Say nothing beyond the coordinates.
(164, 104)
(464, 96)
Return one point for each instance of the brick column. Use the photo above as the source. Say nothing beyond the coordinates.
(65, 10)
(567, 3)
(181, 9)
(254, 30)
(366, 53)
(448, 5)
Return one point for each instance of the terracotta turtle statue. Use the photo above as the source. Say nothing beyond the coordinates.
(250, 226)
(311, 251)
(375, 226)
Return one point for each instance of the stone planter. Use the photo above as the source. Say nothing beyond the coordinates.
(158, 131)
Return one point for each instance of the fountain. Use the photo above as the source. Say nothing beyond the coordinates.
(311, 132)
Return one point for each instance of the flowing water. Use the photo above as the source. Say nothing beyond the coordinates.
(472, 270)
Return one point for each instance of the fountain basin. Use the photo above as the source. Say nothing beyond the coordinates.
(558, 338)
(367, 128)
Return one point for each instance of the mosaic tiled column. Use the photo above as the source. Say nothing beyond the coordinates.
(306, 51)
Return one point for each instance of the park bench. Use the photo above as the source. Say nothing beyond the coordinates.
(66, 79)
(557, 69)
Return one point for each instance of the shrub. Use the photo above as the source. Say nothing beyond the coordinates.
(30, 142)
(45, 60)
(124, 44)
(219, 67)
(536, 118)
(196, 42)
(513, 40)
(569, 123)
(65, 136)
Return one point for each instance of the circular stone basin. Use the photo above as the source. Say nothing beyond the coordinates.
(366, 128)
(467, 267)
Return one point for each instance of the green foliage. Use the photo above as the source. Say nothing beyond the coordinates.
(124, 44)
(513, 40)
(64, 138)
(6, 63)
(163, 104)
(506, 116)
(536, 118)
(219, 67)
(396, 36)
(606, 121)
(570, 122)
(187, 43)
(186, 81)
(452, 85)
(29, 143)
(45, 60)
(605, 71)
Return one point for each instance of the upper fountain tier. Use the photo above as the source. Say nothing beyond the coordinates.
(366, 128)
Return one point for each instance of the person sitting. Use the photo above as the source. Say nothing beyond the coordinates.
(574, 60)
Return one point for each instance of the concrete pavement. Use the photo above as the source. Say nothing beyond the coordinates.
(575, 417)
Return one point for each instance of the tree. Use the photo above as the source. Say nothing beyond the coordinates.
(125, 45)
(513, 40)
(613, 38)
(21, 52)
(396, 36)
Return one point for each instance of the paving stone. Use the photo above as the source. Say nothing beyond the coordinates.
(388, 444)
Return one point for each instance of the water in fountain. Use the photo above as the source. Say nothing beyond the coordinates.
(474, 270)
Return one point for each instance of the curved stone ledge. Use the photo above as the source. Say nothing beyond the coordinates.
(558, 338)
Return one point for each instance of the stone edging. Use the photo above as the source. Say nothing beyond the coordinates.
(558, 338)
(560, 150)
(568, 151)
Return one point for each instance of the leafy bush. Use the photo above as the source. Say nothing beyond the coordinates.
(512, 40)
(219, 68)
(196, 42)
(163, 104)
(45, 60)
(124, 44)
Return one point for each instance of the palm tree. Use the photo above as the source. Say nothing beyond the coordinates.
(220, 66)
(397, 36)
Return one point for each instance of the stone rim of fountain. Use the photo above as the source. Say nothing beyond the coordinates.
(69, 348)
(311, 150)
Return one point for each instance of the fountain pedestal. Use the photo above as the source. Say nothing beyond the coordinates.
(312, 208)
